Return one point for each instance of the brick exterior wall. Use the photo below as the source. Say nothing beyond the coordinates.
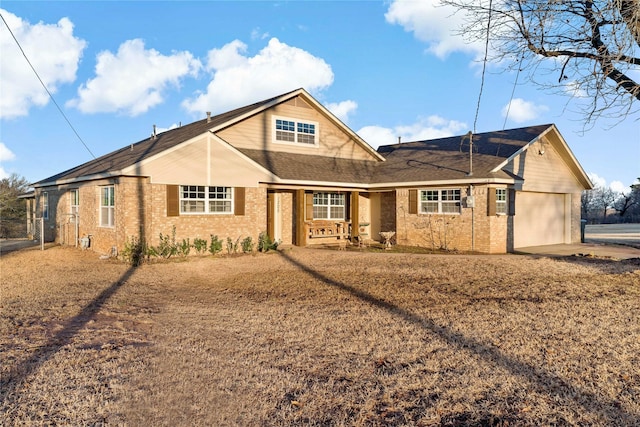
(141, 211)
(471, 230)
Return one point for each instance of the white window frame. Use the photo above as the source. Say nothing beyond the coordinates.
(108, 206)
(501, 201)
(45, 204)
(444, 199)
(331, 204)
(212, 197)
(300, 133)
(74, 203)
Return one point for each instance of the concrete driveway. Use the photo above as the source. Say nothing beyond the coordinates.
(10, 245)
(618, 241)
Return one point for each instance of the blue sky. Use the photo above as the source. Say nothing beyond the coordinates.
(387, 69)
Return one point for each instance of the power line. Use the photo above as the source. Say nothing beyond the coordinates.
(484, 67)
(513, 91)
(45, 87)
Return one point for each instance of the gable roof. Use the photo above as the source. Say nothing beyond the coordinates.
(112, 164)
(436, 161)
(448, 159)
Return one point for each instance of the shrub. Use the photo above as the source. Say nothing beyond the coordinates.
(135, 250)
(265, 244)
(247, 245)
(184, 248)
(200, 245)
(167, 246)
(216, 245)
(232, 247)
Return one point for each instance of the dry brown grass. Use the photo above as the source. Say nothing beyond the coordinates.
(319, 337)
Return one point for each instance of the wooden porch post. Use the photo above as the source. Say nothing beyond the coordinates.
(355, 215)
(301, 237)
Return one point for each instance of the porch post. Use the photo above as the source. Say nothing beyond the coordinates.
(301, 237)
(355, 215)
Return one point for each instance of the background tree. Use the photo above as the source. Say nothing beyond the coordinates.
(587, 49)
(12, 209)
(628, 204)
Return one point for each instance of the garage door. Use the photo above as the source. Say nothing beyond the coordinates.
(539, 219)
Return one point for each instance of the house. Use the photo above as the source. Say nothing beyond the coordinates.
(289, 167)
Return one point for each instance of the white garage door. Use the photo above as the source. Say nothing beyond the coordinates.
(539, 219)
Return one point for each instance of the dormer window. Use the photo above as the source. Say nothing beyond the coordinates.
(291, 131)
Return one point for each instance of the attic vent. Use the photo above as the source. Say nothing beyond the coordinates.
(208, 116)
(154, 133)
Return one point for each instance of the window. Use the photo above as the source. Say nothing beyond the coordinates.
(440, 201)
(501, 201)
(107, 206)
(328, 206)
(287, 130)
(45, 205)
(203, 199)
(74, 202)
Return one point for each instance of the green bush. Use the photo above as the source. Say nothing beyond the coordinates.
(184, 248)
(200, 245)
(167, 246)
(247, 245)
(232, 247)
(135, 251)
(265, 244)
(215, 246)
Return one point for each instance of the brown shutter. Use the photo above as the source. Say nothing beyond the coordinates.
(511, 200)
(173, 200)
(413, 201)
(238, 200)
(309, 206)
(347, 205)
(491, 201)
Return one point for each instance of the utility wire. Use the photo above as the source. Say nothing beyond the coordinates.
(484, 67)
(45, 86)
(513, 91)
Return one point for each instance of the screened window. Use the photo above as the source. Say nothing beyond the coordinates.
(440, 201)
(501, 201)
(74, 203)
(328, 206)
(287, 130)
(203, 199)
(107, 206)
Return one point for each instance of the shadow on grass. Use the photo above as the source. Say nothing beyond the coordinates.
(23, 369)
(544, 382)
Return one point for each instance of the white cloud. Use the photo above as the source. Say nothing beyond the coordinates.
(258, 34)
(52, 50)
(619, 187)
(597, 180)
(431, 127)
(600, 182)
(132, 81)
(343, 109)
(238, 79)
(433, 24)
(6, 155)
(521, 111)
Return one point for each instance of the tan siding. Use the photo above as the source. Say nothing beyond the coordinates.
(545, 172)
(256, 133)
(540, 219)
(205, 161)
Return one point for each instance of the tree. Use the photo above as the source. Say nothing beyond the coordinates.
(12, 209)
(596, 203)
(628, 205)
(590, 48)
